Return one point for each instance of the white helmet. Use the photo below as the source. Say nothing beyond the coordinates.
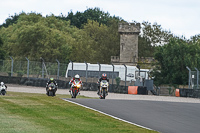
(77, 76)
(2, 83)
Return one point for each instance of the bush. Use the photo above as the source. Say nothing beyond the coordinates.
(117, 79)
(20, 73)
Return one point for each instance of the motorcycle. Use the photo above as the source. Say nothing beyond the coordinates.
(75, 88)
(51, 89)
(2, 90)
(103, 92)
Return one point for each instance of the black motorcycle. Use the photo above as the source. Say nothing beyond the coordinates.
(51, 89)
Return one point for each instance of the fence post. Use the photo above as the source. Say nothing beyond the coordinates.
(58, 69)
(72, 68)
(112, 74)
(42, 67)
(189, 75)
(197, 78)
(99, 69)
(125, 74)
(86, 70)
(27, 67)
(11, 66)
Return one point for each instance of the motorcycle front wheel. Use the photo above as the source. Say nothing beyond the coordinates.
(75, 93)
(50, 93)
(3, 92)
(104, 93)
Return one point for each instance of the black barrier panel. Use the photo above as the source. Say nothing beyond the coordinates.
(186, 92)
(194, 93)
(120, 89)
(142, 90)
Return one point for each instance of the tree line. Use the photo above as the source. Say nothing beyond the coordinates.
(92, 36)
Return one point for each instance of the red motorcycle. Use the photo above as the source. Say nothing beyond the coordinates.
(75, 88)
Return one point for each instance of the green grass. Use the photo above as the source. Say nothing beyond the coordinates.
(38, 113)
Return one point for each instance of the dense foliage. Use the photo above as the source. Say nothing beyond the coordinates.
(79, 19)
(172, 60)
(33, 36)
(2, 52)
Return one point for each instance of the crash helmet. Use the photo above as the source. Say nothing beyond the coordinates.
(104, 76)
(2, 83)
(51, 79)
(77, 77)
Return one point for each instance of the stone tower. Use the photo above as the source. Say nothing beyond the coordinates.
(128, 44)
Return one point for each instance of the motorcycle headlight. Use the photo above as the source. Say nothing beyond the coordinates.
(78, 85)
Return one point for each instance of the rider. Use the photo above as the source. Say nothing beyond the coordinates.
(76, 77)
(52, 80)
(2, 84)
(103, 77)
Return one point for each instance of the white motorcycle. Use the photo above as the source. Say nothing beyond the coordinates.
(2, 90)
(103, 92)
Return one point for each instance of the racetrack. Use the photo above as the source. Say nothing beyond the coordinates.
(161, 113)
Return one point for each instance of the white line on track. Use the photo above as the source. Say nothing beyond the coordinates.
(108, 115)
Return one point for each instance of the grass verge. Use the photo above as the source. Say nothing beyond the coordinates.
(38, 113)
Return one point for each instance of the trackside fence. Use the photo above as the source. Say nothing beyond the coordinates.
(32, 69)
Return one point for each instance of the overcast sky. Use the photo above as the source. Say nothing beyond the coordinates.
(181, 17)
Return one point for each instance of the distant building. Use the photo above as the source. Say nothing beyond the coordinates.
(129, 33)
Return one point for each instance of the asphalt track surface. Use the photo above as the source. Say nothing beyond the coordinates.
(165, 117)
(160, 113)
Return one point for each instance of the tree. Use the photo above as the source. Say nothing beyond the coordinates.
(145, 49)
(81, 18)
(172, 60)
(155, 34)
(195, 39)
(11, 20)
(152, 35)
(2, 52)
(95, 43)
(35, 36)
